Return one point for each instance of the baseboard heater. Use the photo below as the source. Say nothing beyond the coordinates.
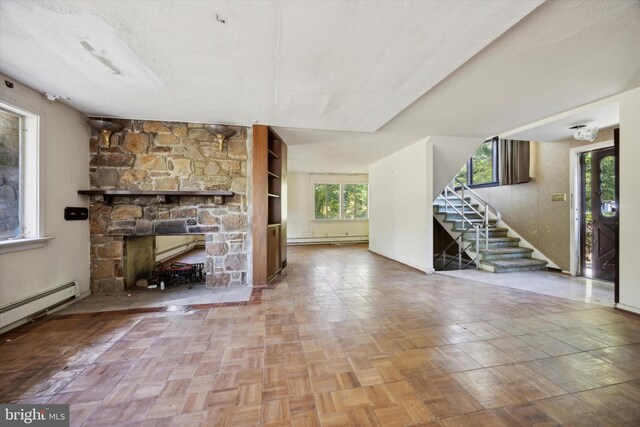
(323, 240)
(37, 305)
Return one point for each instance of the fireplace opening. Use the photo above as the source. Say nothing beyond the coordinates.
(163, 262)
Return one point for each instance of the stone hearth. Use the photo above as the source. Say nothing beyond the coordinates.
(169, 156)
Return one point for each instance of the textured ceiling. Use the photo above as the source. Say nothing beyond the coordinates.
(331, 65)
(600, 116)
(563, 55)
(320, 71)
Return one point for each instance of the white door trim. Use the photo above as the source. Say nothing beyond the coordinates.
(576, 200)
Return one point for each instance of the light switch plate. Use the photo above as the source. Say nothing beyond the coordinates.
(559, 197)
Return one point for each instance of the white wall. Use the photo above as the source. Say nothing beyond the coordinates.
(400, 206)
(629, 231)
(64, 165)
(301, 227)
(450, 153)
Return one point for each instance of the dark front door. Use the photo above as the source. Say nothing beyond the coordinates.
(604, 211)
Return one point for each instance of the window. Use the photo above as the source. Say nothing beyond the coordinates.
(20, 216)
(355, 198)
(482, 168)
(327, 200)
(341, 202)
(11, 171)
(608, 206)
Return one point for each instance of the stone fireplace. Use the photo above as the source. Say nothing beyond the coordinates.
(149, 156)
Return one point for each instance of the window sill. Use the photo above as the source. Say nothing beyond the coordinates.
(7, 246)
(484, 185)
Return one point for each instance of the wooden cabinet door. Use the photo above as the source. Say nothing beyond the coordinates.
(273, 250)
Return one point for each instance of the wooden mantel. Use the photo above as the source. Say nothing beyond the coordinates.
(163, 196)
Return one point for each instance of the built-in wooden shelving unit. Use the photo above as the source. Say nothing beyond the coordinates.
(269, 205)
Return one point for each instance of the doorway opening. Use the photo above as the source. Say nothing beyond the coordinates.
(596, 211)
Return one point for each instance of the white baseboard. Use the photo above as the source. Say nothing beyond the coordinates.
(628, 308)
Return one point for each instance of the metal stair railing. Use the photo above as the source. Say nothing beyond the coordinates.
(447, 192)
(479, 229)
(487, 208)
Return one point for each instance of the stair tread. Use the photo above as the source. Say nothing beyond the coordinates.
(467, 214)
(450, 209)
(495, 239)
(518, 262)
(452, 198)
(490, 228)
(491, 221)
(505, 250)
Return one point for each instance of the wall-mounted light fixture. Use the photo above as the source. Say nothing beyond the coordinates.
(222, 132)
(105, 128)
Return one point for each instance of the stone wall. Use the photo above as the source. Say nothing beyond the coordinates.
(169, 156)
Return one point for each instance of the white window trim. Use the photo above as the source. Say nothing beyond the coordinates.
(31, 182)
(341, 184)
(23, 244)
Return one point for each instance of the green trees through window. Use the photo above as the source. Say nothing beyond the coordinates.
(327, 201)
(608, 186)
(482, 167)
(355, 201)
(10, 175)
(341, 201)
(483, 164)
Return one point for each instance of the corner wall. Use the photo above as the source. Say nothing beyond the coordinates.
(400, 206)
(450, 153)
(629, 230)
(64, 157)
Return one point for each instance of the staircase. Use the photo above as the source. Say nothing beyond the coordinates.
(473, 224)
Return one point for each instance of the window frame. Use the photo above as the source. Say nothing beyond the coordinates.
(340, 185)
(495, 153)
(31, 194)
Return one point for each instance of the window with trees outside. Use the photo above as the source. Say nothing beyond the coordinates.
(341, 202)
(482, 168)
(20, 213)
(10, 177)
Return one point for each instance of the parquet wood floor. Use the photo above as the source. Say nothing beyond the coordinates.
(347, 338)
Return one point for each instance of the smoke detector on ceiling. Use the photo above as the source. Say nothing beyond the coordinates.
(584, 132)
